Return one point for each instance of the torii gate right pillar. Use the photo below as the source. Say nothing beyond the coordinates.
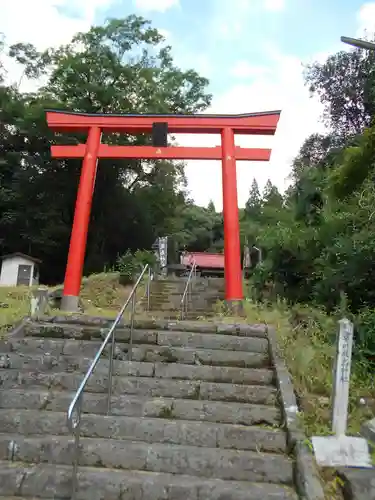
(232, 248)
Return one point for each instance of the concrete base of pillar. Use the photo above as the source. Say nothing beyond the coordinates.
(69, 303)
(235, 307)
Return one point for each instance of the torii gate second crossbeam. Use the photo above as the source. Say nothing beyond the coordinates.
(227, 126)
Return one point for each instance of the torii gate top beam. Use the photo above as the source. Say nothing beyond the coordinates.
(262, 123)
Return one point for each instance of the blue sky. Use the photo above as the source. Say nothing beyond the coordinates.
(252, 51)
(224, 32)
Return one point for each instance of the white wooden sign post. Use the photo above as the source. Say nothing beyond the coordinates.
(339, 449)
(163, 254)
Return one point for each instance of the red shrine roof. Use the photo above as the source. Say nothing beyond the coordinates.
(204, 259)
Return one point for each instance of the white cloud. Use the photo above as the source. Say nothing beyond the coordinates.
(243, 69)
(156, 5)
(225, 28)
(231, 20)
(166, 34)
(366, 19)
(45, 26)
(274, 5)
(228, 20)
(282, 88)
(51, 28)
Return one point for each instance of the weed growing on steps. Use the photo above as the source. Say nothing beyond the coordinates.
(196, 393)
(168, 356)
(167, 412)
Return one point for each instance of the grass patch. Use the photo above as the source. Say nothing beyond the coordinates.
(307, 340)
(307, 337)
(14, 305)
(101, 295)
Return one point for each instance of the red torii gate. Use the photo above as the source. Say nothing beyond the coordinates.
(227, 126)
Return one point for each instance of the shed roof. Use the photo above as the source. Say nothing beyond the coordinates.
(19, 254)
(204, 259)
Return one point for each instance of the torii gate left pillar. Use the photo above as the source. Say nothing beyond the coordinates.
(93, 150)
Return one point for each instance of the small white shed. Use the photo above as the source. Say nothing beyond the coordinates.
(19, 269)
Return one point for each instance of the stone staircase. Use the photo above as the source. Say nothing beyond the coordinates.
(166, 294)
(195, 414)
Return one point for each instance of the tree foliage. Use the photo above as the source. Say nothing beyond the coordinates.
(123, 66)
(322, 248)
(345, 83)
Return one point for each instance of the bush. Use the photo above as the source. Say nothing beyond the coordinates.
(143, 257)
(259, 283)
(365, 335)
(125, 265)
(129, 265)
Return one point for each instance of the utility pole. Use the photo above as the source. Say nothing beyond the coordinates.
(359, 44)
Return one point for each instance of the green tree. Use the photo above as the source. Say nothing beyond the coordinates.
(211, 207)
(123, 66)
(253, 206)
(199, 229)
(355, 164)
(271, 196)
(345, 84)
(2, 69)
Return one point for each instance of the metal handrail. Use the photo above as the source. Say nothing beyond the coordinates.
(188, 290)
(75, 407)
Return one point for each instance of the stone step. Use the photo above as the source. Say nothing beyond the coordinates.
(241, 329)
(165, 306)
(51, 481)
(213, 341)
(27, 498)
(194, 315)
(133, 406)
(195, 304)
(202, 309)
(205, 308)
(54, 364)
(141, 386)
(178, 292)
(180, 288)
(149, 336)
(145, 352)
(174, 314)
(176, 297)
(150, 430)
(198, 295)
(235, 465)
(172, 295)
(198, 291)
